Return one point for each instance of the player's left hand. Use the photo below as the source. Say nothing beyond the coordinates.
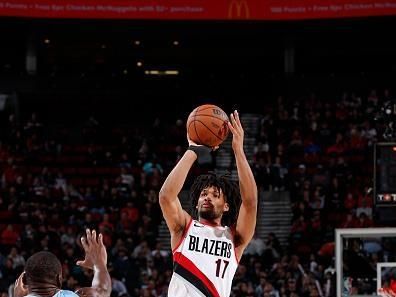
(236, 129)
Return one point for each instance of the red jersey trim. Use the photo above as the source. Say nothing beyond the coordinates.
(186, 263)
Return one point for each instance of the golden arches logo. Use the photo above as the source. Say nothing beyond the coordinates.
(238, 9)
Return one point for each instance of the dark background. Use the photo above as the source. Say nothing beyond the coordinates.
(86, 65)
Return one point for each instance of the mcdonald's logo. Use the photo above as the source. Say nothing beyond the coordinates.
(238, 9)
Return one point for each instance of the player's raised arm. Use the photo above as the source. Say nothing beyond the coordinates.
(176, 218)
(246, 221)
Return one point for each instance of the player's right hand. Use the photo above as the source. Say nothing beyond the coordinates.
(190, 142)
(20, 289)
(95, 251)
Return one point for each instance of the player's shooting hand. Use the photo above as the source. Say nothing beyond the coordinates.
(236, 129)
(190, 142)
(20, 289)
(95, 251)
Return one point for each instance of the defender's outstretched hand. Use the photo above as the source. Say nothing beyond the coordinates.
(95, 251)
(236, 129)
(96, 259)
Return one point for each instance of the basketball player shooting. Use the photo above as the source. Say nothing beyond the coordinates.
(208, 244)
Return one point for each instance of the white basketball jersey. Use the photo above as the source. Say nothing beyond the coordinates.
(204, 262)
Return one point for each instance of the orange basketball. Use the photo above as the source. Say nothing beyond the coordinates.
(207, 125)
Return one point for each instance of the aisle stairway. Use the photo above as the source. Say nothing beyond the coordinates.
(274, 215)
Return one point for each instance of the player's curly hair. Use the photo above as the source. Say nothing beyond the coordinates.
(230, 189)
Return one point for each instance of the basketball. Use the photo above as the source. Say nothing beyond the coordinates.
(207, 125)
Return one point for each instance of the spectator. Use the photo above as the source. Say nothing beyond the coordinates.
(9, 236)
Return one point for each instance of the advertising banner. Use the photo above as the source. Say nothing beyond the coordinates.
(197, 9)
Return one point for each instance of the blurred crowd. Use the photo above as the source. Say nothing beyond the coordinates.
(57, 180)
